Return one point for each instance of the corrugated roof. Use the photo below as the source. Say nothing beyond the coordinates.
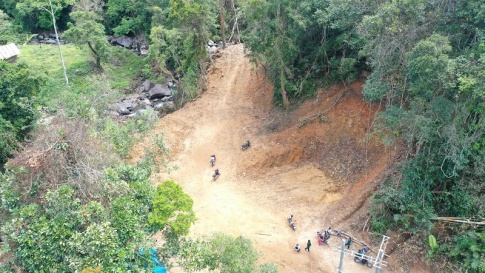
(8, 51)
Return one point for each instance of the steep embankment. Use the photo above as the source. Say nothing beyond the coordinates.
(311, 162)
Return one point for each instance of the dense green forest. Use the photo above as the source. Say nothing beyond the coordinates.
(424, 69)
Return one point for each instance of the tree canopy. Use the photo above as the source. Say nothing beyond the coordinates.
(18, 87)
(172, 208)
(88, 31)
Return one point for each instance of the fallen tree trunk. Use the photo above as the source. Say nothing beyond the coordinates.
(457, 220)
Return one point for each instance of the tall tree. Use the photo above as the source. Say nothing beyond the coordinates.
(51, 7)
(222, 22)
(87, 31)
(269, 39)
(6, 29)
(280, 43)
(297, 40)
(179, 36)
(130, 17)
(235, 21)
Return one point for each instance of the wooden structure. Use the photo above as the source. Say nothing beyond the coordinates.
(9, 52)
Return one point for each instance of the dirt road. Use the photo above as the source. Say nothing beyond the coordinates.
(310, 162)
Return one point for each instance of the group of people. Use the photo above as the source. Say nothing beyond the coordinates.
(324, 236)
(308, 245)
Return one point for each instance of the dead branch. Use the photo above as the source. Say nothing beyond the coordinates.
(457, 220)
(64, 152)
(354, 240)
(365, 224)
(322, 116)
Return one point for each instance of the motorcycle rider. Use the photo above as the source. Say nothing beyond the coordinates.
(363, 251)
(216, 174)
(246, 144)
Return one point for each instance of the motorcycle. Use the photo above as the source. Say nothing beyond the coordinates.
(361, 258)
(291, 223)
(213, 160)
(246, 145)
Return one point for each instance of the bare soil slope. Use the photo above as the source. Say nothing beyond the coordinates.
(311, 162)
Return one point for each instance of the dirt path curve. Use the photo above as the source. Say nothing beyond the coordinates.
(260, 187)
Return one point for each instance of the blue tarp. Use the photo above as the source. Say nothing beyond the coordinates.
(159, 268)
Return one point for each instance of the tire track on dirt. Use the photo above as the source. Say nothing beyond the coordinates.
(260, 187)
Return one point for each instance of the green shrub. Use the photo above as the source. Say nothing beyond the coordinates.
(123, 135)
(172, 208)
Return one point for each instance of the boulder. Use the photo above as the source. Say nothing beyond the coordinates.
(169, 106)
(146, 85)
(159, 91)
(140, 89)
(159, 106)
(123, 41)
(167, 98)
(144, 52)
(53, 35)
(123, 111)
(213, 49)
(124, 107)
(50, 41)
(145, 103)
(133, 97)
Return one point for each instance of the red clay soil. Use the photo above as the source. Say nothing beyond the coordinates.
(312, 162)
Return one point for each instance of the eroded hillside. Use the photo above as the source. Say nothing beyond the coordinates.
(312, 162)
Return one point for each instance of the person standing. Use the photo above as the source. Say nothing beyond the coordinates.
(308, 245)
(348, 243)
